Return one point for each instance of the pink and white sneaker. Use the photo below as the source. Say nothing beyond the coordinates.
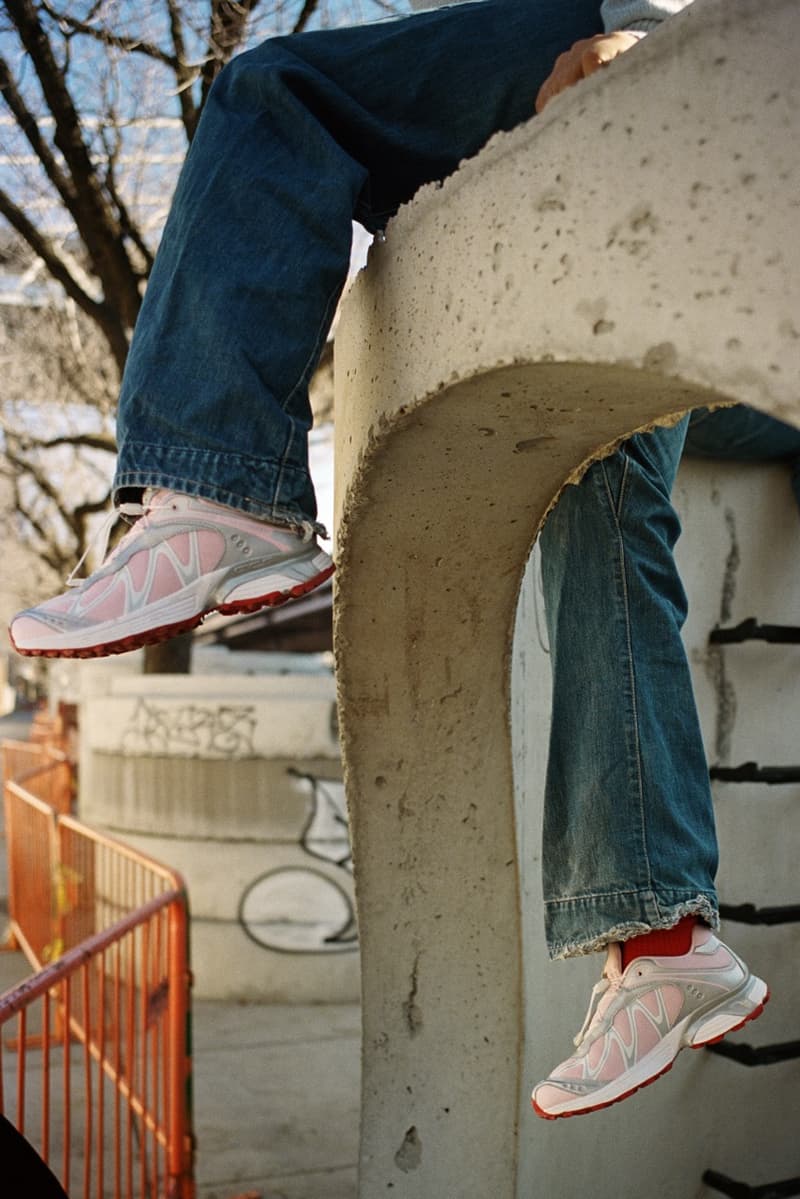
(183, 558)
(638, 1022)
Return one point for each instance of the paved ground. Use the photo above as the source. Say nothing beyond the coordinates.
(276, 1100)
(276, 1092)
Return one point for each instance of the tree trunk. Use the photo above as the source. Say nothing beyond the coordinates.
(170, 657)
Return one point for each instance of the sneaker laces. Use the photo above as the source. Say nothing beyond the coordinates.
(306, 531)
(136, 511)
(606, 989)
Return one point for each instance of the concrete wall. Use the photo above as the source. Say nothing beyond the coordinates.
(630, 254)
(235, 781)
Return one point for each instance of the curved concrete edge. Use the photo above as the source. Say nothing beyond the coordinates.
(437, 535)
(648, 218)
(627, 257)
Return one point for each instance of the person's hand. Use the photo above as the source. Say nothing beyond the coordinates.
(583, 59)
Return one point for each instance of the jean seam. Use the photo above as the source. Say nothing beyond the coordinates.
(180, 450)
(266, 506)
(282, 466)
(322, 330)
(631, 669)
(620, 892)
(591, 895)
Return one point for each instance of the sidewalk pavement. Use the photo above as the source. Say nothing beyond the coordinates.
(276, 1100)
(276, 1091)
(276, 1096)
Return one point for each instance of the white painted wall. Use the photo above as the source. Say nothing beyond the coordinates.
(235, 781)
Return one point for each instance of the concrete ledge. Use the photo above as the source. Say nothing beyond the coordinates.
(632, 254)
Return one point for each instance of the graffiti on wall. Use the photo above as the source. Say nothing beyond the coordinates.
(215, 730)
(304, 908)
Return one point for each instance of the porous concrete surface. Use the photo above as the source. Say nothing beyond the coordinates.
(631, 254)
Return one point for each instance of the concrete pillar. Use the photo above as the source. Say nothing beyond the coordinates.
(631, 254)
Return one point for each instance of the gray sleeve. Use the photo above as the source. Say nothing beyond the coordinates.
(641, 15)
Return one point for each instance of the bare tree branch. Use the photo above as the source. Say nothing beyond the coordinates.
(89, 441)
(27, 123)
(126, 223)
(101, 312)
(130, 45)
(74, 520)
(46, 548)
(227, 30)
(92, 508)
(96, 223)
(46, 487)
(306, 13)
(185, 75)
(56, 263)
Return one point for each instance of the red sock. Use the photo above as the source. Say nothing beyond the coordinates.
(661, 942)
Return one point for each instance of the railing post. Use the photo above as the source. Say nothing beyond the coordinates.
(147, 928)
(180, 1167)
(12, 941)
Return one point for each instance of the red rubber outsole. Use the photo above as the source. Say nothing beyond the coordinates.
(598, 1107)
(273, 599)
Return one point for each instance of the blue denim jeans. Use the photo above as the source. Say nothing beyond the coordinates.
(300, 136)
(629, 838)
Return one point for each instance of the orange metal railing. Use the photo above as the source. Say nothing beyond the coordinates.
(98, 1061)
(44, 768)
(32, 851)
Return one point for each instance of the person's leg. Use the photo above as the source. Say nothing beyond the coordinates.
(741, 434)
(629, 841)
(626, 753)
(629, 850)
(298, 137)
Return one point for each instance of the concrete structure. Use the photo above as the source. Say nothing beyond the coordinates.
(234, 780)
(631, 254)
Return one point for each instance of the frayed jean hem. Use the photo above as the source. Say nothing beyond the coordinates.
(590, 923)
(246, 499)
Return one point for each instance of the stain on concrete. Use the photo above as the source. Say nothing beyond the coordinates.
(412, 1013)
(715, 654)
(661, 357)
(732, 563)
(642, 218)
(603, 326)
(725, 703)
(532, 443)
(409, 1155)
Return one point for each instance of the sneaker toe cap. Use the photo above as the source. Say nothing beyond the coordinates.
(29, 632)
(548, 1097)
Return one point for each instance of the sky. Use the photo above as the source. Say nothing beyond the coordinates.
(153, 148)
(139, 90)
